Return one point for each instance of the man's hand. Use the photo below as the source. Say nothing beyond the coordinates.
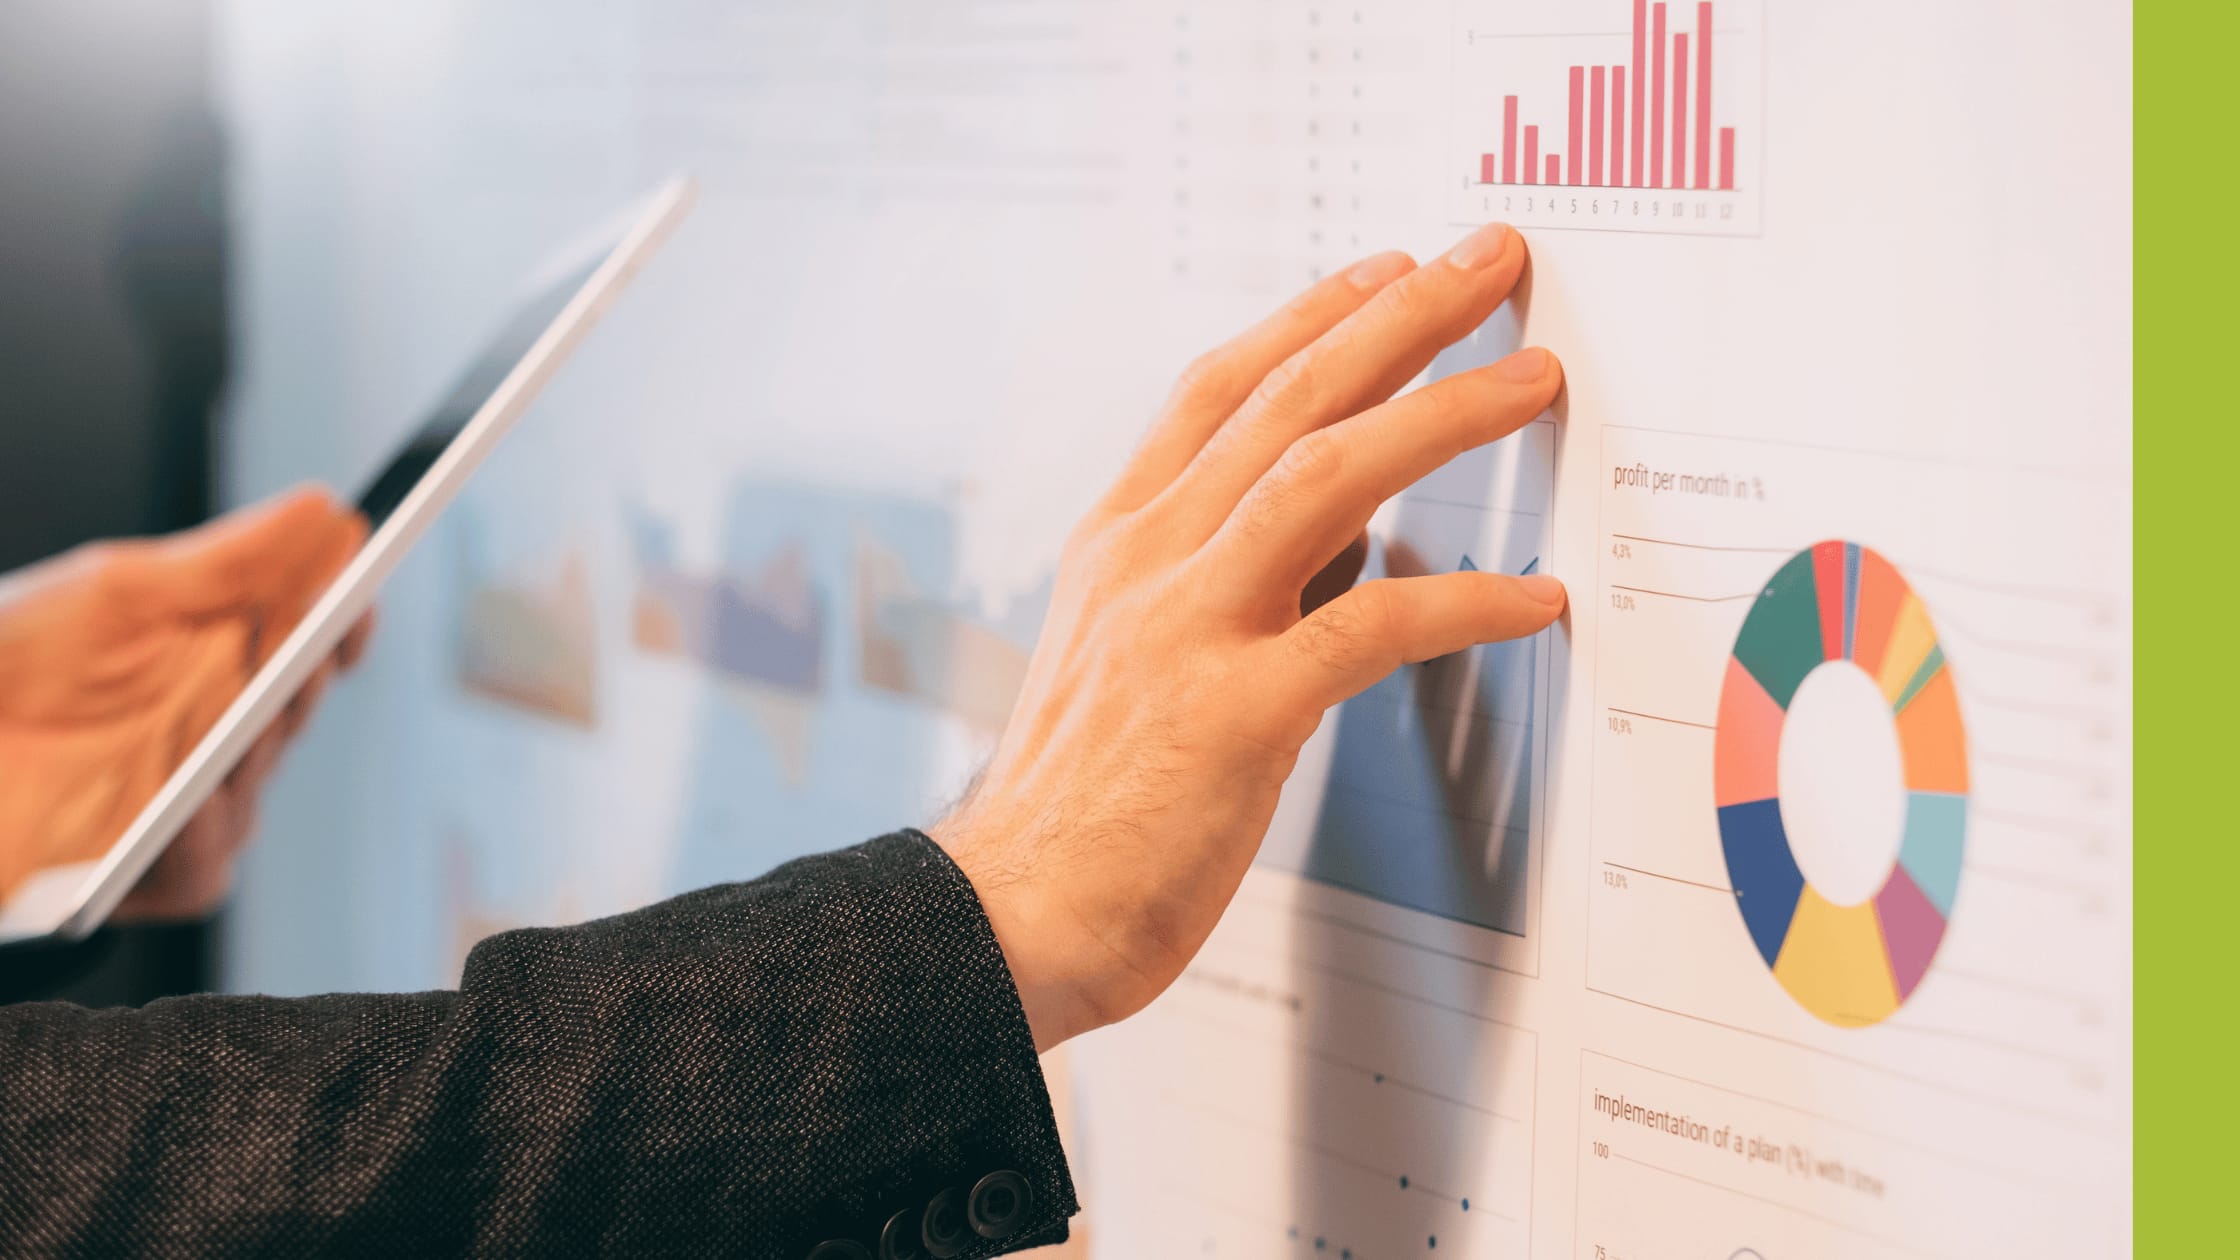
(1176, 678)
(116, 658)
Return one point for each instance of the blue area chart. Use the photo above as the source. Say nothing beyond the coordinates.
(1430, 802)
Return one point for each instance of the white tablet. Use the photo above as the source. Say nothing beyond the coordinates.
(72, 897)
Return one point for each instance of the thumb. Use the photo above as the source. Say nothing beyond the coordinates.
(267, 559)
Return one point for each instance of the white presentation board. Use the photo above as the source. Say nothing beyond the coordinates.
(1777, 905)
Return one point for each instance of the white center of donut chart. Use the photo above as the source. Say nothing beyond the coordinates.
(1843, 794)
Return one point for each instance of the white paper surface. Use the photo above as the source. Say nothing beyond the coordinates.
(1491, 990)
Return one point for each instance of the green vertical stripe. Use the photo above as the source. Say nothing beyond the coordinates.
(2188, 270)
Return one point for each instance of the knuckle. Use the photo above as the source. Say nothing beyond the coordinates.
(1105, 573)
(1093, 565)
(1303, 474)
(1086, 536)
(1287, 385)
(111, 566)
(1348, 634)
(1110, 557)
(1307, 307)
(1204, 377)
(1314, 461)
(1378, 614)
(97, 555)
(1268, 503)
(1416, 300)
(1327, 637)
(1455, 405)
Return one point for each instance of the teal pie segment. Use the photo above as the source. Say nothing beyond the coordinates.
(1936, 828)
(1780, 639)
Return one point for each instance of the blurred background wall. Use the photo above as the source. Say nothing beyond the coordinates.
(113, 324)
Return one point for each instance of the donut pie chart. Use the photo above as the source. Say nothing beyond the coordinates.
(1838, 605)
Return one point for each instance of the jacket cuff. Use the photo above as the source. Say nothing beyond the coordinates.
(952, 1152)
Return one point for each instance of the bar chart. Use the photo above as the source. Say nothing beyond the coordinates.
(1648, 121)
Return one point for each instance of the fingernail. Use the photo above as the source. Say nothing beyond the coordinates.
(1541, 587)
(1524, 367)
(1379, 270)
(1481, 248)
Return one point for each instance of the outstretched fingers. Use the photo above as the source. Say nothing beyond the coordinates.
(1367, 358)
(1214, 386)
(1324, 489)
(1357, 639)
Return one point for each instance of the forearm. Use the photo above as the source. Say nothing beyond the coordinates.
(742, 1071)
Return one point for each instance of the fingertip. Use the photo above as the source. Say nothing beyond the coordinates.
(1484, 247)
(1528, 366)
(249, 773)
(352, 649)
(306, 501)
(1544, 589)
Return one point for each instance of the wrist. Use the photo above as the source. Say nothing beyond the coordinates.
(1049, 990)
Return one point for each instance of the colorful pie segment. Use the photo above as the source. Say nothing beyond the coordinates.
(1838, 603)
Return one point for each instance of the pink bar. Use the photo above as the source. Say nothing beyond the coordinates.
(1655, 134)
(1618, 128)
(1509, 142)
(1640, 14)
(1594, 127)
(1578, 149)
(1555, 169)
(1679, 111)
(1488, 170)
(1703, 93)
(1532, 154)
(1726, 159)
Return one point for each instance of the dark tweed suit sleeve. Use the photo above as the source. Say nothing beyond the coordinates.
(772, 1069)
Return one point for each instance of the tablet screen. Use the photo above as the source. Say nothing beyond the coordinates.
(427, 444)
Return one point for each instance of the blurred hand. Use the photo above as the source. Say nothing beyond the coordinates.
(115, 660)
(1179, 673)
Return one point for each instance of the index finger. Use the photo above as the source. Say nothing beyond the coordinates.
(1361, 362)
(1214, 386)
(1323, 491)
